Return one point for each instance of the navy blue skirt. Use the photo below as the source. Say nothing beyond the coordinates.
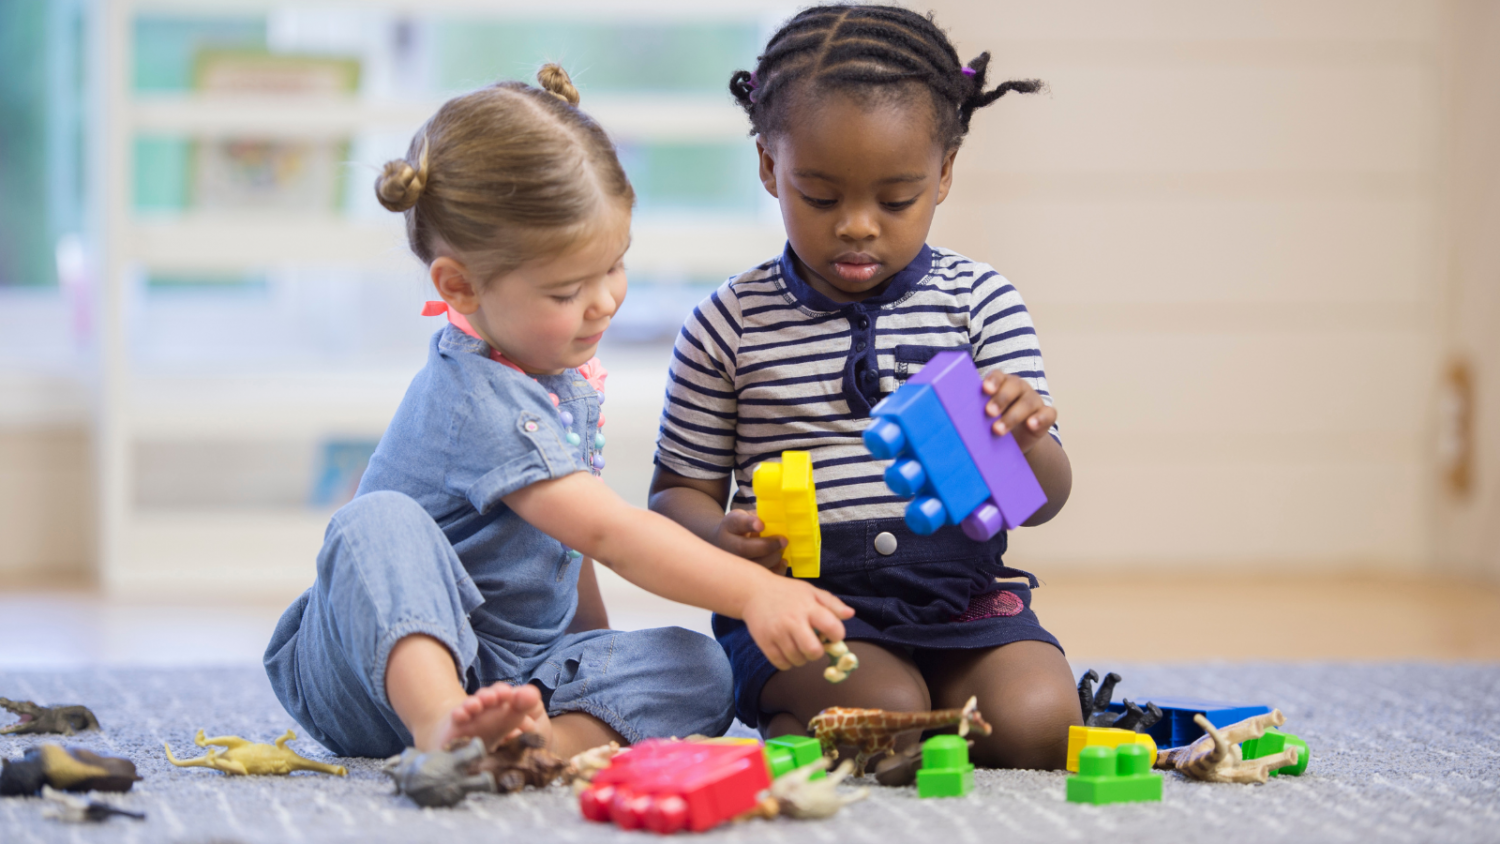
(930, 592)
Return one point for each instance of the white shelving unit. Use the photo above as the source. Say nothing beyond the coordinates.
(272, 552)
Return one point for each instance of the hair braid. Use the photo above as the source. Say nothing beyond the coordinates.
(868, 49)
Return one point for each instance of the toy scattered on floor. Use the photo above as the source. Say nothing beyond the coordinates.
(807, 793)
(65, 769)
(785, 754)
(946, 770)
(787, 503)
(841, 661)
(583, 766)
(899, 767)
(874, 731)
(70, 809)
(947, 455)
(668, 786)
(523, 761)
(1096, 706)
(1217, 757)
(1273, 742)
(445, 777)
(1082, 737)
(63, 720)
(1177, 727)
(1114, 775)
(244, 758)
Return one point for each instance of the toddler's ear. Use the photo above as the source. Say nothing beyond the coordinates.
(945, 176)
(454, 285)
(767, 165)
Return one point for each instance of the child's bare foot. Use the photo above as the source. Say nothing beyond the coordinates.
(493, 713)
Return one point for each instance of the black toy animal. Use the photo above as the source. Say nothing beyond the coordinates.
(1096, 705)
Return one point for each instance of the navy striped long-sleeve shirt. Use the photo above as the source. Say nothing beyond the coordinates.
(766, 363)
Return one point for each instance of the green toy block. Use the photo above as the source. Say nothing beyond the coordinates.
(946, 771)
(788, 753)
(1273, 742)
(1114, 775)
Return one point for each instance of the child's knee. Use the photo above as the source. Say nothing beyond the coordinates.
(697, 693)
(1030, 729)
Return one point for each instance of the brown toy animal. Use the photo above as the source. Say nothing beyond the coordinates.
(1215, 756)
(63, 720)
(874, 731)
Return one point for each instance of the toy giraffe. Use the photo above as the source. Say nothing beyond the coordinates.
(243, 757)
(874, 731)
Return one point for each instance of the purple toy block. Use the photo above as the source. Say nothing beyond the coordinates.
(1012, 486)
(912, 427)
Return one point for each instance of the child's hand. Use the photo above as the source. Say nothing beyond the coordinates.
(739, 534)
(786, 616)
(1019, 408)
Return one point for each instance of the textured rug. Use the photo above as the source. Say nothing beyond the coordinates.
(1400, 752)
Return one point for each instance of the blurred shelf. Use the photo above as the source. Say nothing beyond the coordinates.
(213, 554)
(267, 405)
(233, 242)
(660, 117)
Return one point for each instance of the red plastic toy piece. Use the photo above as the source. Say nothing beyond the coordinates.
(669, 786)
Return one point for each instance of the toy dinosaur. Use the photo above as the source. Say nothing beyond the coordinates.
(874, 731)
(243, 758)
(522, 761)
(796, 795)
(47, 719)
(583, 766)
(1096, 706)
(840, 661)
(446, 777)
(68, 769)
(1216, 757)
(70, 809)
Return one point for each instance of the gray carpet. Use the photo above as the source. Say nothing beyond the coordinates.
(1400, 752)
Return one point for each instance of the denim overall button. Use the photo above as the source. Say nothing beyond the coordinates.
(885, 544)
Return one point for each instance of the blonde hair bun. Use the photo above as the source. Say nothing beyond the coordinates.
(399, 185)
(554, 80)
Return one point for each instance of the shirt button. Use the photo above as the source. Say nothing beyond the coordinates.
(860, 346)
(885, 544)
(864, 322)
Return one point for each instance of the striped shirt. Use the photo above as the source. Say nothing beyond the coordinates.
(766, 363)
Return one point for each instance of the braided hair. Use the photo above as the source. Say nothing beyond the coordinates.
(869, 51)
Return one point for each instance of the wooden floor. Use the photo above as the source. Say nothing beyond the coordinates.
(1098, 618)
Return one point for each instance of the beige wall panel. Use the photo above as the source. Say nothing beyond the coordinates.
(1228, 249)
(972, 23)
(46, 504)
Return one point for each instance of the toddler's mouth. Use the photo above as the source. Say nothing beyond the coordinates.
(856, 268)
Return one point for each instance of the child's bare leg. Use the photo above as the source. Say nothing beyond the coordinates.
(423, 687)
(575, 732)
(1026, 692)
(885, 679)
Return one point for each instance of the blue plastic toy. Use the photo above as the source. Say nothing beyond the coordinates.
(1176, 727)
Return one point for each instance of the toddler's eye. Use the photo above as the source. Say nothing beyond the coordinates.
(900, 206)
(568, 298)
(818, 203)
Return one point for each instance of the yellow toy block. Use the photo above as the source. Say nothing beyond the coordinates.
(786, 501)
(1081, 737)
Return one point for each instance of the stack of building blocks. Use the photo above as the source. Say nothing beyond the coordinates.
(785, 754)
(1273, 742)
(668, 786)
(946, 771)
(1081, 737)
(1114, 775)
(1176, 727)
(787, 503)
(948, 458)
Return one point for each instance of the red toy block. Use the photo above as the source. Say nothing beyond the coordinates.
(1014, 491)
(668, 786)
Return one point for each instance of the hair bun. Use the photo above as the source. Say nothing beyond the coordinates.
(399, 185)
(554, 80)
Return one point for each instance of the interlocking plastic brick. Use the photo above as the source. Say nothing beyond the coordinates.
(1177, 728)
(787, 503)
(932, 464)
(1012, 486)
(788, 753)
(668, 786)
(946, 771)
(1273, 742)
(1114, 775)
(1081, 737)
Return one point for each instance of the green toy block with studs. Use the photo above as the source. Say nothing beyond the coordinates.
(785, 754)
(1273, 742)
(1114, 775)
(946, 771)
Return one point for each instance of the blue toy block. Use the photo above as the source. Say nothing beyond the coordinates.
(1013, 488)
(1177, 727)
(932, 464)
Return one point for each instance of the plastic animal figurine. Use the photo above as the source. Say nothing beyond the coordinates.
(1216, 756)
(67, 769)
(900, 767)
(244, 758)
(583, 766)
(874, 731)
(796, 794)
(64, 720)
(840, 661)
(1096, 711)
(440, 777)
(70, 809)
(522, 761)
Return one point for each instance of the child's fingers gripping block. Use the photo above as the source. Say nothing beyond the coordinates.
(787, 502)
